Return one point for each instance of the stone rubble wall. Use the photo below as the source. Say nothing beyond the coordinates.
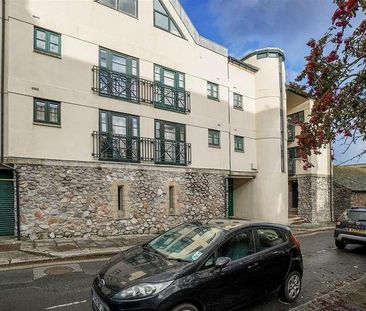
(77, 201)
(358, 199)
(341, 199)
(314, 198)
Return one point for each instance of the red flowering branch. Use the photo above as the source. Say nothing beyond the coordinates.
(335, 78)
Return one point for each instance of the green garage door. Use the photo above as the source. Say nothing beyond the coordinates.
(7, 219)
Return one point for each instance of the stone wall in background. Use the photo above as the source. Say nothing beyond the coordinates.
(358, 199)
(78, 201)
(341, 200)
(314, 198)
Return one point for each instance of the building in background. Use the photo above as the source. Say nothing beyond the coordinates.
(349, 187)
(310, 190)
(119, 118)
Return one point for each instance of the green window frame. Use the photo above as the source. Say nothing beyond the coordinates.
(239, 143)
(296, 117)
(163, 74)
(212, 91)
(46, 111)
(129, 7)
(163, 20)
(238, 101)
(213, 138)
(46, 41)
(293, 153)
(115, 61)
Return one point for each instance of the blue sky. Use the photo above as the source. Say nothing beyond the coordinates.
(244, 25)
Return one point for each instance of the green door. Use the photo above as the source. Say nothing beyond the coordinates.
(230, 198)
(7, 219)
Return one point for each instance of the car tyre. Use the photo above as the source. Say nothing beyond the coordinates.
(340, 244)
(292, 287)
(185, 307)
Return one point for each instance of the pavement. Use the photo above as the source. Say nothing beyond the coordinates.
(350, 297)
(13, 252)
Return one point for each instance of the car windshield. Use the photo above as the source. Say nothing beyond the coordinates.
(356, 216)
(187, 242)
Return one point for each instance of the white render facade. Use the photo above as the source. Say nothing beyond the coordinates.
(114, 125)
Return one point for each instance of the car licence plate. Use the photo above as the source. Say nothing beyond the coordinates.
(98, 302)
(362, 231)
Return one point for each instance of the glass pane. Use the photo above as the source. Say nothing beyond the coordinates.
(54, 48)
(119, 125)
(128, 6)
(119, 63)
(157, 129)
(174, 29)
(159, 7)
(103, 58)
(134, 67)
(40, 111)
(161, 21)
(110, 3)
(54, 39)
(41, 45)
(169, 78)
(157, 73)
(41, 35)
(169, 132)
(103, 122)
(53, 113)
(135, 130)
(238, 247)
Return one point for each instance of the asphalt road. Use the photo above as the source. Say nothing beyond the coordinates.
(67, 288)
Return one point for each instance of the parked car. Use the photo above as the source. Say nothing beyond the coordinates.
(194, 267)
(351, 228)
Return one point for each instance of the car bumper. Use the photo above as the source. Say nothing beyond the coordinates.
(341, 235)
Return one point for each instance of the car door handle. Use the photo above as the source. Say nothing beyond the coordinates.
(253, 265)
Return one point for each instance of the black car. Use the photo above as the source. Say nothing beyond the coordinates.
(197, 267)
(351, 228)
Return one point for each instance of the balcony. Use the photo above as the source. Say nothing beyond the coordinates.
(110, 147)
(133, 89)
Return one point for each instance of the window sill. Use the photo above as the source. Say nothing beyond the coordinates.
(213, 98)
(215, 146)
(239, 108)
(47, 124)
(240, 151)
(48, 54)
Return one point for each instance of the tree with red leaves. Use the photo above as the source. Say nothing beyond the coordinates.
(335, 78)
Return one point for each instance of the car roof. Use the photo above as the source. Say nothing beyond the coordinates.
(237, 224)
(358, 209)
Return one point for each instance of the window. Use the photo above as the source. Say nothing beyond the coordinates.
(163, 20)
(270, 237)
(170, 146)
(47, 41)
(118, 75)
(238, 247)
(268, 54)
(213, 138)
(126, 6)
(296, 117)
(46, 111)
(293, 153)
(120, 199)
(119, 137)
(239, 143)
(238, 101)
(169, 89)
(212, 91)
(171, 201)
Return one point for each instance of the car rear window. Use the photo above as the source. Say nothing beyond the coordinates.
(269, 237)
(356, 216)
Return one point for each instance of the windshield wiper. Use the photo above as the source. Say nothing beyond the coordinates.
(155, 251)
(178, 259)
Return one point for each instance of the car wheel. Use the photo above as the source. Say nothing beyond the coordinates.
(185, 307)
(292, 286)
(340, 244)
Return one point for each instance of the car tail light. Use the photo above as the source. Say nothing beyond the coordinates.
(295, 241)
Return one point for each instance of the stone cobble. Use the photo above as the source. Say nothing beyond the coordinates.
(63, 201)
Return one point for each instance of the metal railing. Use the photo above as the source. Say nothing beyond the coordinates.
(131, 88)
(111, 147)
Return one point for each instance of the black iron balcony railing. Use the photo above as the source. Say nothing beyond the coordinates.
(111, 147)
(131, 88)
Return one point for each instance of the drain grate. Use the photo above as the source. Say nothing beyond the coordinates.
(58, 270)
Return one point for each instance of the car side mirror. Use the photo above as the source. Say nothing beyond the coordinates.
(222, 262)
